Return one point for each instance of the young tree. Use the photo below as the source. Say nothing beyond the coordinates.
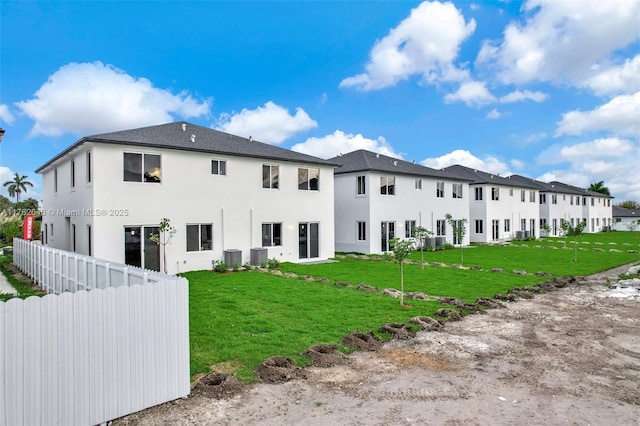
(421, 234)
(629, 204)
(459, 231)
(633, 227)
(401, 250)
(163, 237)
(17, 186)
(547, 230)
(575, 231)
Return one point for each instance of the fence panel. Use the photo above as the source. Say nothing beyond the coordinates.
(87, 357)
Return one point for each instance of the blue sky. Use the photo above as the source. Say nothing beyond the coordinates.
(546, 89)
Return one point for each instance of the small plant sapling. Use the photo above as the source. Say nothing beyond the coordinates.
(421, 234)
(401, 250)
(165, 233)
(459, 231)
(575, 232)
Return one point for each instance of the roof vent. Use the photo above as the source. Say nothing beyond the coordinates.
(378, 155)
(184, 127)
(414, 161)
(250, 139)
(395, 163)
(193, 138)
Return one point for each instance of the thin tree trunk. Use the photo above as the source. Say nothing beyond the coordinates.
(401, 285)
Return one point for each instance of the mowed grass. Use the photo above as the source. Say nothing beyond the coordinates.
(238, 320)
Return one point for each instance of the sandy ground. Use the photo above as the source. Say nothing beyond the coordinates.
(571, 356)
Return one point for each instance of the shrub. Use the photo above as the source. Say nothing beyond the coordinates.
(220, 266)
(273, 263)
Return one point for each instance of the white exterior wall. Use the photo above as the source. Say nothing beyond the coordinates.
(236, 205)
(508, 206)
(599, 215)
(626, 224)
(68, 206)
(351, 208)
(562, 210)
(408, 203)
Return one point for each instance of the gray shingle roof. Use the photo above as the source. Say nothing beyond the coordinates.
(479, 177)
(363, 160)
(172, 136)
(622, 212)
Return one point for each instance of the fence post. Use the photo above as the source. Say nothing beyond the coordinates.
(107, 274)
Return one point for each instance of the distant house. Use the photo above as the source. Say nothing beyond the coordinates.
(625, 219)
(106, 194)
(499, 208)
(560, 201)
(378, 198)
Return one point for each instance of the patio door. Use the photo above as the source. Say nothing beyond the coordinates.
(139, 250)
(308, 240)
(387, 233)
(495, 229)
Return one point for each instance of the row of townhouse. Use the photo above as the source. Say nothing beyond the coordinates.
(226, 195)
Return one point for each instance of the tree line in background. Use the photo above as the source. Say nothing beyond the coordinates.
(12, 214)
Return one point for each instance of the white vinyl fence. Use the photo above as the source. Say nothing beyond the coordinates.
(86, 357)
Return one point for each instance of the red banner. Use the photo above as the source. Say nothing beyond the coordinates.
(27, 229)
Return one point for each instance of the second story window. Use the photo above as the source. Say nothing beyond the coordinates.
(495, 193)
(440, 189)
(89, 168)
(478, 191)
(387, 185)
(55, 180)
(219, 167)
(419, 184)
(142, 168)
(73, 173)
(361, 185)
(532, 196)
(270, 176)
(543, 198)
(457, 190)
(522, 195)
(554, 198)
(309, 179)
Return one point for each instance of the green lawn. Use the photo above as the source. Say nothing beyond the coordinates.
(238, 320)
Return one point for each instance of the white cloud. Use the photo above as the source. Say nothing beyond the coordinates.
(518, 95)
(426, 43)
(91, 97)
(599, 148)
(341, 143)
(517, 164)
(464, 158)
(611, 160)
(471, 92)
(494, 114)
(616, 79)
(270, 123)
(5, 114)
(561, 41)
(620, 116)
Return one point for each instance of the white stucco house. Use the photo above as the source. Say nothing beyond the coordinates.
(378, 198)
(625, 219)
(106, 194)
(499, 209)
(560, 201)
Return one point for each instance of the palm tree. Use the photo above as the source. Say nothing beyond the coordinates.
(17, 186)
(599, 187)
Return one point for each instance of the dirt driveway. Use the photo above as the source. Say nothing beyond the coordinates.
(571, 356)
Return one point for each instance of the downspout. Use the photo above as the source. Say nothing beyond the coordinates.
(222, 226)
